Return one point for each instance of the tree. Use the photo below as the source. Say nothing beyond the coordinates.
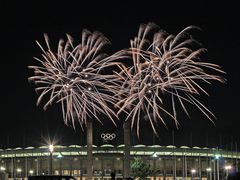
(140, 169)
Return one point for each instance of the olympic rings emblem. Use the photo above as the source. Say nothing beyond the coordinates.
(108, 136)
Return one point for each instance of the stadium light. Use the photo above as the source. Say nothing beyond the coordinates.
(228, 168)
(217, 156)
(193, 171)
(51, 148)
(59, 155)
(209, 173)
(154, 155)
(2, 168)
(209, 169)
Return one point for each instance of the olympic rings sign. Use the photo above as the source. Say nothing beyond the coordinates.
(108, 136)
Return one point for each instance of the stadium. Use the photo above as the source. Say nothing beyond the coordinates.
(171, 162)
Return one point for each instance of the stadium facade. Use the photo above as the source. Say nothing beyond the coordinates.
(170, 162)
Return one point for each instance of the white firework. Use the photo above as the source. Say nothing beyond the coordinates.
(165, 65)
(75, 76)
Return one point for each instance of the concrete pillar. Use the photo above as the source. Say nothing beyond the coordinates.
(89, 150)
(3, 176)
(127, 143)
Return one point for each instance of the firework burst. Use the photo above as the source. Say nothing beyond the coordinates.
(163, 65)
(75, 77)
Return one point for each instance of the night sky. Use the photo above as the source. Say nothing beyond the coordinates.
(24, 124)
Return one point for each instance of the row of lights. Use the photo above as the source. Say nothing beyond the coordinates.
(18, 170)
(227, 167)
(118, 159)
(51, 149)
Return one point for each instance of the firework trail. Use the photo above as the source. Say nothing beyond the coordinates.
(75, 77)
(165, 65)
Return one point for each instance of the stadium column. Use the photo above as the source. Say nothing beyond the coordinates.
(154, 168)
(164, 168)
(200, 167)
(26, 167)
(127, 129)
(60, 166)
(89, 150)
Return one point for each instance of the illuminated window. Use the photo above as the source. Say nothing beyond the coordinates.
(76, 172)
(66, 172)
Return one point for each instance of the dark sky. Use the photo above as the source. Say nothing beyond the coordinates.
(24, 124)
